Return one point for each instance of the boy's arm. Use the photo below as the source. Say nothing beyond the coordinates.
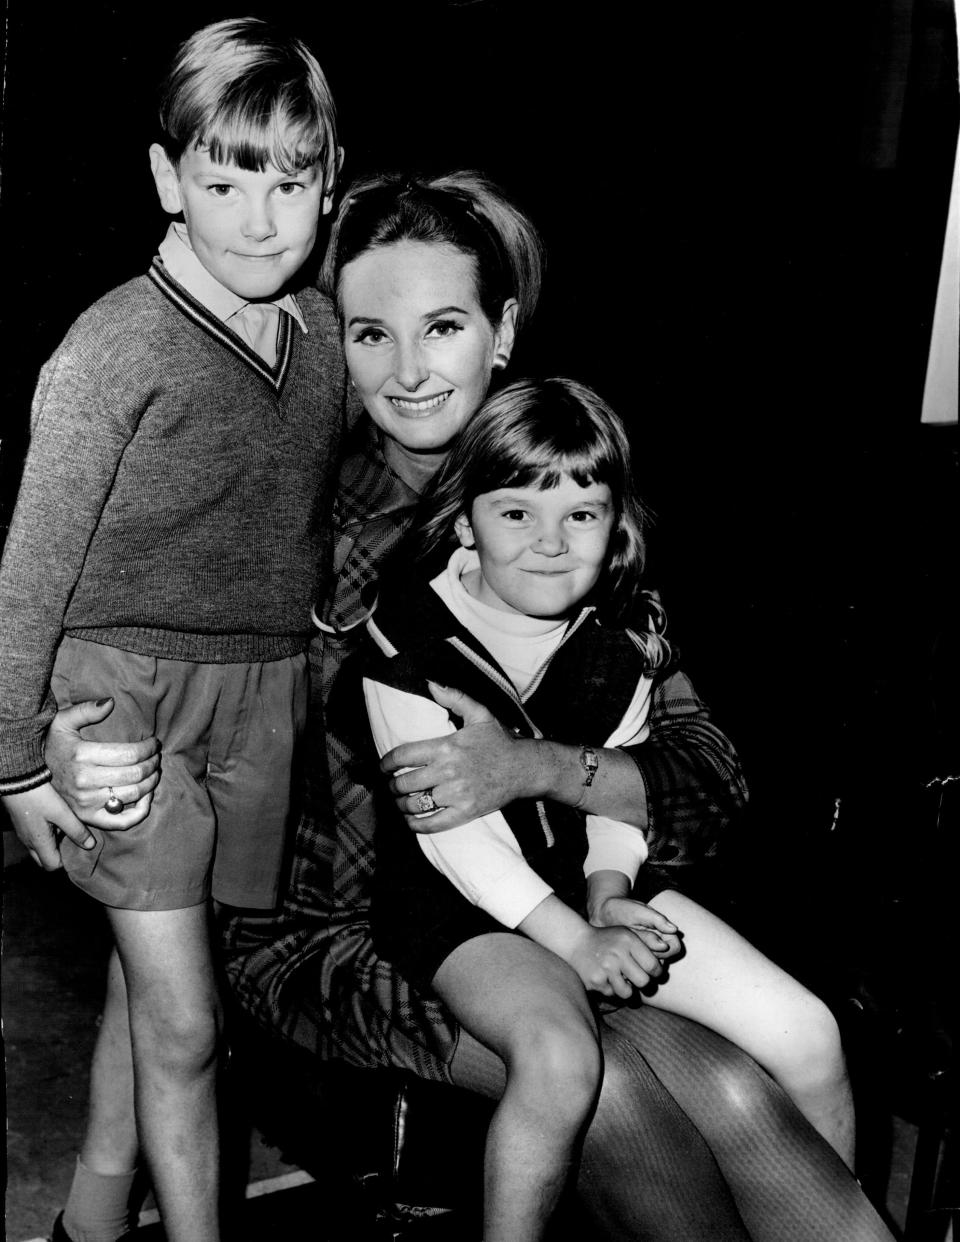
(480, 858)
(72, 458)
(40, 817)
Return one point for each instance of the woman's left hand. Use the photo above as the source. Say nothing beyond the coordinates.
(472, 772)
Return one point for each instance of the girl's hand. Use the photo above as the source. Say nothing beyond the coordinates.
(613, 961)
(85, 772)
(654, 928)
(40, 818)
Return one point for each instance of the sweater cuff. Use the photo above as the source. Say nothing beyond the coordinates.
(20, 784)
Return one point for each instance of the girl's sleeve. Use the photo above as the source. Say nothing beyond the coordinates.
(481, 858)
(74, 450)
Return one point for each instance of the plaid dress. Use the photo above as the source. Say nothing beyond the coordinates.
(310, 971)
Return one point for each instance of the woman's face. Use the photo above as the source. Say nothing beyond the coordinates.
(419, 348)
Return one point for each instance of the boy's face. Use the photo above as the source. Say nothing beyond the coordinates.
(252, 231)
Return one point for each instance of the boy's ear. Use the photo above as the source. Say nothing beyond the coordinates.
(331, 185)
(464, 531)
(166, 180)
(505, 334)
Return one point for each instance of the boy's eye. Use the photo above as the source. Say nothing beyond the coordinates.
(514, 515)
(444, 327)
(290, 188)
(219, 190)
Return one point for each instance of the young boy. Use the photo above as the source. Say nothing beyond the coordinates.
(165, 551)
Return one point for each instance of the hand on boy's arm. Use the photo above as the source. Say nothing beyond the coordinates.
(40, 817)
(483, 767)
(85, 772)
(609, 960)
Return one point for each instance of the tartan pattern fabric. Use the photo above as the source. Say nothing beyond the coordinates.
(309, 971)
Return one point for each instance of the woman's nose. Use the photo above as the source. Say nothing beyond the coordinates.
(411, 368)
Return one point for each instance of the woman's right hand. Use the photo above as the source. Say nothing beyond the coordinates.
(85, 772)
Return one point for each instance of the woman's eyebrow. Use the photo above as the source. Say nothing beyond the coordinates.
(445, 310)
(363, 319)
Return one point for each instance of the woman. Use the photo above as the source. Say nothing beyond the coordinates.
(690, 1140)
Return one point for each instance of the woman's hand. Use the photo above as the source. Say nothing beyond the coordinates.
(479, 769)
(85, 772)
(41, 818)
(660, 935)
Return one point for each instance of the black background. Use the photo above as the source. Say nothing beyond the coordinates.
(743, 207)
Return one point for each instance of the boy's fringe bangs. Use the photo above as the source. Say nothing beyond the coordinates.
(251, 143)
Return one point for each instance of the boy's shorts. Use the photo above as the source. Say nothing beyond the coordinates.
(217, 824)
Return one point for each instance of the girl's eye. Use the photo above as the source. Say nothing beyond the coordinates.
(444, 327)
(515, 515)
(582, 516)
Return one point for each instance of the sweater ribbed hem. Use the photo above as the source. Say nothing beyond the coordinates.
(21, 784)
(197, 648)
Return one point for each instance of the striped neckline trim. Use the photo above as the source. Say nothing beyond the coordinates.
(196, 311)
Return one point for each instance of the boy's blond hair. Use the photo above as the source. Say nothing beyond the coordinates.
(249, 94)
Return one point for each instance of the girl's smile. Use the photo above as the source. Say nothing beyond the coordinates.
(541, 550)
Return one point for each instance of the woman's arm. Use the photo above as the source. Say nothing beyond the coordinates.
(681, 784)
(480, 858)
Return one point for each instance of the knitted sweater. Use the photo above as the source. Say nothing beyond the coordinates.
(175, 500)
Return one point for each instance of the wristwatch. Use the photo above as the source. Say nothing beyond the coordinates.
(589, 762)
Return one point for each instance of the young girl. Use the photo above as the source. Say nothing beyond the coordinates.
(539, 616)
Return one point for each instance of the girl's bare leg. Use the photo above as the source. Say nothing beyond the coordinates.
(175, 1023)
(530, 1008)
(723, 982)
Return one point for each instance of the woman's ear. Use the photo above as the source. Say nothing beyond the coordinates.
(505, 334)
(166, 180)
(464, 531)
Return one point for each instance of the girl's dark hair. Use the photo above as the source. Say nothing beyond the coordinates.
(460, 209)
(531, 434)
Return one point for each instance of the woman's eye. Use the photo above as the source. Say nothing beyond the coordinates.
(444, 327)
(370, 336)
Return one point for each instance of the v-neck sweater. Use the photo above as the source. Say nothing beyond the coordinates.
(176, 496)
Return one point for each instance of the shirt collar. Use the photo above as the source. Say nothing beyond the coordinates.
(178, 257)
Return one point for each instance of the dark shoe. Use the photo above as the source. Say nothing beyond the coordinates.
(60, 1234)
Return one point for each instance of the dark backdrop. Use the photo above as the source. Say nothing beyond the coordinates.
(743, 207)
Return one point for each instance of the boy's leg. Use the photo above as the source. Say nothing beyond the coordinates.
(723, 982)
(531, 1009)
(175, 1022)
(98, 1206)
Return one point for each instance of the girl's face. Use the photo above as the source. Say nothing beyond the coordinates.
(541, 551)
(419, 348)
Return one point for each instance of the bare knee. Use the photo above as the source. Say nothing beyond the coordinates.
(558, 1068)
(176, 1039)
(811, 1056)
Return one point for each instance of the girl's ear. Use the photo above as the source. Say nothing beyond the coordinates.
(166, 180)
(505, 334)
(464, 531)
